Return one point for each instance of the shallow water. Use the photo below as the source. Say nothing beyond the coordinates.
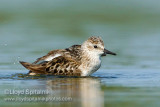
(29, 29)
(113, 88)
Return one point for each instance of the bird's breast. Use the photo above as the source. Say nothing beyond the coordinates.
(95, 66)
(90, 67)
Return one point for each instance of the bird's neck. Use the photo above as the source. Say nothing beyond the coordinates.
(89, 63)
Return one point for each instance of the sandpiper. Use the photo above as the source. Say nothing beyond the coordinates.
(77, 60)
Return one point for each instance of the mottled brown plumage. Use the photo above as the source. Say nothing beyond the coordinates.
(96, 40)
(58, 66)
(71, 52)
(77, 60)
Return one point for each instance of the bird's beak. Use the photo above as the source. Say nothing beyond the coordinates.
(107, 52)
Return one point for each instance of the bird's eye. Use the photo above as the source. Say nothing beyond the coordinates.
(95, 46)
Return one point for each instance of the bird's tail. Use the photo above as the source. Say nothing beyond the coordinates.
(37, 68)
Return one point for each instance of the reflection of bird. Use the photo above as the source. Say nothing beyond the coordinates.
(78, 60)
(85, 92)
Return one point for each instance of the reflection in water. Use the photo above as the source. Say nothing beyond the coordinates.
(85, 92)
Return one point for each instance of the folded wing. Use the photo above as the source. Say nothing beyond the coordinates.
(72, 52)
(57, 66)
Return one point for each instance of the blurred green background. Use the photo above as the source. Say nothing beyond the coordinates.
(130, 28)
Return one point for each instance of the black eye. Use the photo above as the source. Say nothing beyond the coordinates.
(95, 46)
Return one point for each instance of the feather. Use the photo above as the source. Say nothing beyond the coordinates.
(57, 66)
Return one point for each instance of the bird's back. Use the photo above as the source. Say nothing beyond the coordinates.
(73, 52)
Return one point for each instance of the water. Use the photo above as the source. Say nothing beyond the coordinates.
(29, 29)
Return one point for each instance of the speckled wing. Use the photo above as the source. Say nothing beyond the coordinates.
(73, 52)
(51, 53)
(58, 66)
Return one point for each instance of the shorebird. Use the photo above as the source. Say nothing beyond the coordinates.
(77, 60)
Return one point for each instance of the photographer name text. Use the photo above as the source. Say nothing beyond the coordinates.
(27, 92)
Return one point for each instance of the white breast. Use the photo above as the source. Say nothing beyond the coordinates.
(94, 67)
(91, 67)
(52, 57)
